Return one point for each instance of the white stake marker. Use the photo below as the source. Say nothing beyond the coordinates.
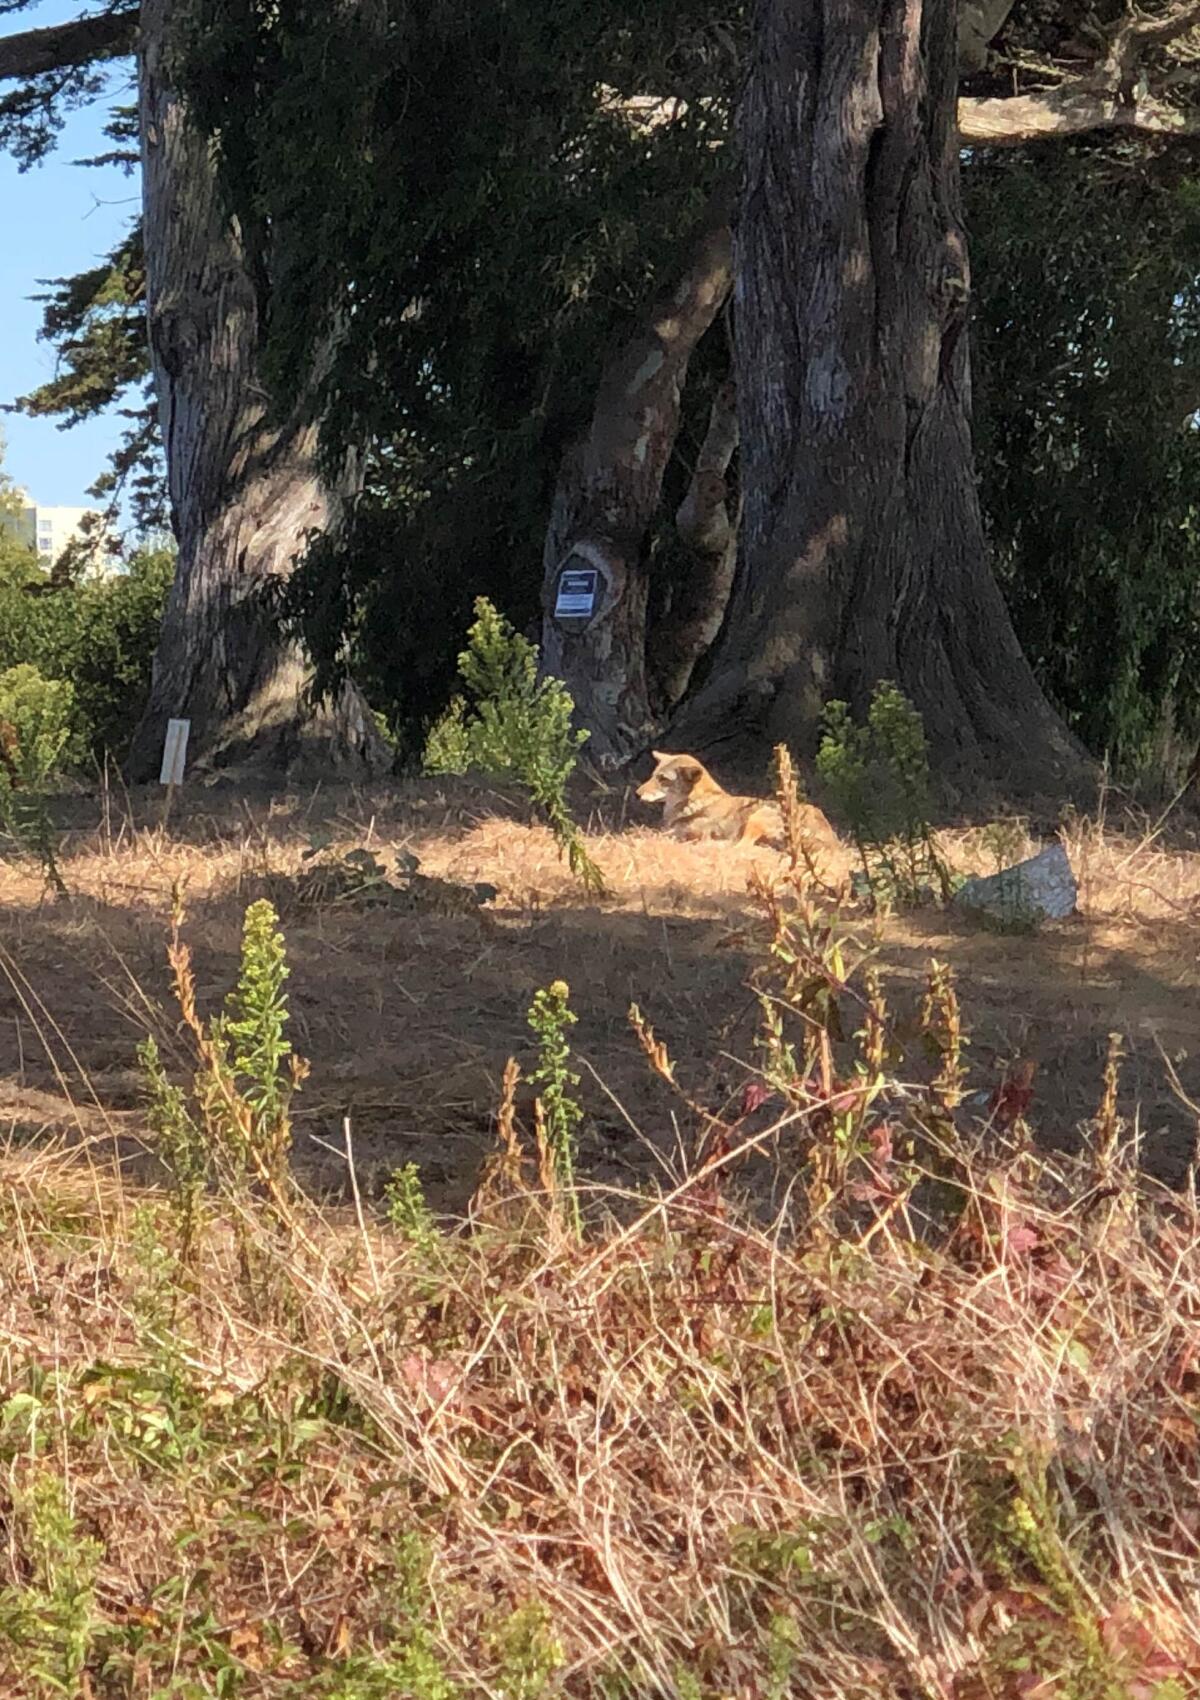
(175, 752)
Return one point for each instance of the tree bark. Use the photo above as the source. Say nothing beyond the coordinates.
(862, 554)
(609, 489)
(709, 530)
(246, 492)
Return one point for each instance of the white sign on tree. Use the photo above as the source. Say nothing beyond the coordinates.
(576, 598)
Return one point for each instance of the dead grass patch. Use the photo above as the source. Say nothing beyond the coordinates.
(931, 1433)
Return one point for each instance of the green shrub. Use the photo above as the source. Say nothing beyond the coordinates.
(513, 725)
(39, 712)
(109, 658)
(878, 776)
(35, 729)
(98, 634)
(407, 1212)
(51, 1613)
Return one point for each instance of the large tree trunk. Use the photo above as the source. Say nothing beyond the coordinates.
(246, 492)
(609, 489)
(862, 554)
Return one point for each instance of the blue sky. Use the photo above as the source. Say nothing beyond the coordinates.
(55, 220)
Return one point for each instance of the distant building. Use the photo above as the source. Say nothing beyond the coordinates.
(50, 530)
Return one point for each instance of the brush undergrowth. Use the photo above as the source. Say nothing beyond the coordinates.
(35, 729)
(513, 725)
(877, 774)
(929, 1431)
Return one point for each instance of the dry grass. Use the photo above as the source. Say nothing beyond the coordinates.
(930, 1429)
(688, 1457)
(408, 1017)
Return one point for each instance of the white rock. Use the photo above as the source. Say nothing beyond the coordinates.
(1043, 888)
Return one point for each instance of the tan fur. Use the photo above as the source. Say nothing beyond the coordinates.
(697, 808)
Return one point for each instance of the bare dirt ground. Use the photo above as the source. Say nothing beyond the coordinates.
(408, 1014)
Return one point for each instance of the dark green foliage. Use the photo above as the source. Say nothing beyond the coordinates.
(439, 189)
(99, 635)
(96, 323)
(35, 729)
(1086, 264)
(33, 113)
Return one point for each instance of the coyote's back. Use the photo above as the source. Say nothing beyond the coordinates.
(696, 808)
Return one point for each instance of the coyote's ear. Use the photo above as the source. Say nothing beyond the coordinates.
(659, 756)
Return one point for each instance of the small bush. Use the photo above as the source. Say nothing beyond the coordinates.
(407, 1212)
(37, 713)
(878, 776)
(513, 725)
(52, 1615)
(35, 729)
(98, 635)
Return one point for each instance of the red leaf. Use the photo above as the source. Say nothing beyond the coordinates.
(866, 1192)
(880, 1137)
(1021, 1240)
(436, 1377)
(754, 1096)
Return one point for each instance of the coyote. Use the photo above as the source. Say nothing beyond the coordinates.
(698, 808)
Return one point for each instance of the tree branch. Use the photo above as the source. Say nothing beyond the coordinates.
(60, 47)
(1113, 94)
(1132, 36)
(610, 487)
(1073, 109)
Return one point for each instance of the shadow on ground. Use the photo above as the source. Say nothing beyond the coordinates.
(408, 1017)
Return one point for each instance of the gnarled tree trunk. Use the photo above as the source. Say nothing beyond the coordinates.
(862, 554)
(608, 492)
(246, 492)
(707, 523)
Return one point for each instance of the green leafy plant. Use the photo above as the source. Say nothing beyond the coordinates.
(52, 1617)
(180, 1143)
(407, 1211)
(878, 776)
(559, 1111)
(254, 1027)
(35, 727)
(237, 1125)
(527, 1651)
(516, 726)
(97, 635)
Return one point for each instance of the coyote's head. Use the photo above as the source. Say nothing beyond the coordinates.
(673, 776)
